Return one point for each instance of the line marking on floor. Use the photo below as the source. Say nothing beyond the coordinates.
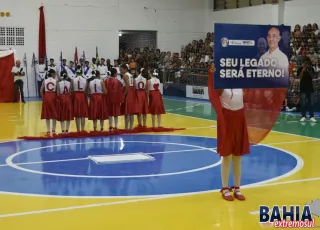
(86, 158)
(136, 200)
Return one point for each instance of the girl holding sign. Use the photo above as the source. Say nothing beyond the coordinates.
(233, 141)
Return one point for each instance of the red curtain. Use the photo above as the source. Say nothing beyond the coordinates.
(42, 35)
(262, 109)
(6, 78)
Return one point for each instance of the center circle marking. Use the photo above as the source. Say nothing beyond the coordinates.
(9, 161)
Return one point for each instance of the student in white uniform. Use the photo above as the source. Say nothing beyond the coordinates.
(41, 73)
(87, 71)
(103, 69)
(71, 70)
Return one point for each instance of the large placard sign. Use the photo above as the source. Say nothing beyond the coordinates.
(251, 56)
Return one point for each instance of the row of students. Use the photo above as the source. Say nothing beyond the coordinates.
(67, 100)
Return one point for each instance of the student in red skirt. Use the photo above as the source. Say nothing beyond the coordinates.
(236, 141)
(49, 104)
(114, 98)
(233, 140)
(80, 101)
(141, 94)
(129, 107)
(97, 106)
(64, 90)
(156, 106)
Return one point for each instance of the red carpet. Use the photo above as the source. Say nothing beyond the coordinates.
(103, 133)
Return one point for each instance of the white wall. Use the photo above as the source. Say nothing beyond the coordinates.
(87, 24)
(302, 12)
(262, 15)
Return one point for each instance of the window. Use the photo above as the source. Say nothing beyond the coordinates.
(11, 36)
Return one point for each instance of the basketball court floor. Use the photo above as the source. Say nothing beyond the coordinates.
(55, 184)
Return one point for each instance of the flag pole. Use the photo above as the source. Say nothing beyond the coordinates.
(27, 75)
(33, 64)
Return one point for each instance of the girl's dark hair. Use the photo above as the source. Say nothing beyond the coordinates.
(65, 76)
(113, 71)
(124, 66)
(144, 73)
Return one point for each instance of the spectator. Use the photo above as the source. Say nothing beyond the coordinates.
(306, 73)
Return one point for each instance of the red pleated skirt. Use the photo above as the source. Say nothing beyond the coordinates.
(50, 106)
(142, 100)
(236, 140)
(80, 104)
(130, 106)
(156, 105)
(97, 107)
(65, 108)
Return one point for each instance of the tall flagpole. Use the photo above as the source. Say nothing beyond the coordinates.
(33, 65)
(27, 75)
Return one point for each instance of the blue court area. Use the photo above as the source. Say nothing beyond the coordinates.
(181, 164)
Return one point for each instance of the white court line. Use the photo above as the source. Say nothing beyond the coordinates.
(274, 131)
(290, 142)
(133, 201)
(86, 158)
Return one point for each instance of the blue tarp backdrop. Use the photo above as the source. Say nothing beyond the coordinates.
(251, 56)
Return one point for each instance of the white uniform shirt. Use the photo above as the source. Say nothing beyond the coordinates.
(232, 99)
(64, 87)
(79, 84)
(71, 72)
(103, 69)
(95, 86)
(154, 84)
(282, 60)
(40, 70)
(50, 85)
(130, 79)
(54, 67)
(87, 72)
(140, 82)
(20, 69)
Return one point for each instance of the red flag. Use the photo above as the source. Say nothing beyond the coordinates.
(76, 59)
(262, 109)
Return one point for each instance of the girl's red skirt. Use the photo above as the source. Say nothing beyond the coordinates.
(80, 104)
(65, 108)
(130, 106)
(97, 107)
(142, 100)
(50, 106)
(236, 140)
(156, 105)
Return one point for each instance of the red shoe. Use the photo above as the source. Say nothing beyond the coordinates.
(47, 134)
(237, 194)
(226, 193)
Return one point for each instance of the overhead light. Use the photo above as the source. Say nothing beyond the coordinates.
(120, 34)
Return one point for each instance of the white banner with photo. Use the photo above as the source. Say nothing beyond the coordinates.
(199, 92)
